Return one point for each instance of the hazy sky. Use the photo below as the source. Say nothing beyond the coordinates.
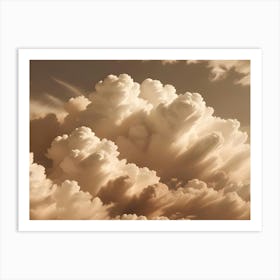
(140, 140)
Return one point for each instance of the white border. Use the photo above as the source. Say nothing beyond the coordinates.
(24, 57)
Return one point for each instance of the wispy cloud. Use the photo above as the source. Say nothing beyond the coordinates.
(219, 69)
(72, 89)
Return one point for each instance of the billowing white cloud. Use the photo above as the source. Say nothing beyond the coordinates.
(76, 105)
(65, 201)
(179, 200)
(145, 151)
(192, 200)
(176, 135)
(155, 92)
(92, 162)
(41, 187)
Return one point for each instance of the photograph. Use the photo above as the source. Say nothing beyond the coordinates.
(131, 139)
(140, 140)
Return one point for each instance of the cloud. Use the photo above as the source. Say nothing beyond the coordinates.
(65, 201)
(136, 151)
(164, 62)
(130, 217)
(49, 103)
(42, 133)
(40, 109)
(75, 105)
(220, 69)
(40, 185)
(174, 134)
(93, 162)
(188, 62)
(74, 91)
(114, 101)
(192, 200)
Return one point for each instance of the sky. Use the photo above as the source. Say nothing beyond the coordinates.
(229, 98)
(137, 140)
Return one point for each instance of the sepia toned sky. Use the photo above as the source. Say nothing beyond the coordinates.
(138, 140)
(229, 98)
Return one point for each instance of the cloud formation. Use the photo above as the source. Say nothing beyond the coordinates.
(220, 69)
(50, 105)
(65, 201)
(143, 151)
(93, 162)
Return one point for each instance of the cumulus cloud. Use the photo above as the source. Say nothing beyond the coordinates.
(192, 200)
(64, 201)
(93, 162)
(179, 200)
(143, 151)
(75, 105)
